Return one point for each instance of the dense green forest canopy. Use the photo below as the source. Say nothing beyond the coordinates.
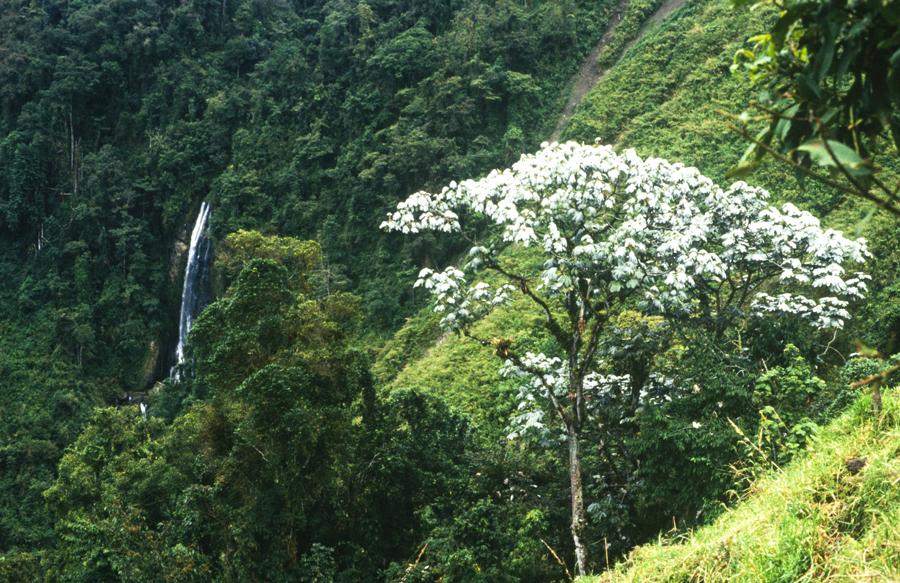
(302, 118)
(325, 429)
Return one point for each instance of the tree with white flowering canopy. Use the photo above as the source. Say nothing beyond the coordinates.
(617, 230)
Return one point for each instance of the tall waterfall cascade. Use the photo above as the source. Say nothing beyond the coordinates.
(195, 294)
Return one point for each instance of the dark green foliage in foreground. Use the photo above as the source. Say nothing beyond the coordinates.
(828, 75)
(242, 484)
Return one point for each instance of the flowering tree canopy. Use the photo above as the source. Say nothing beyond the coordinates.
(616, 225)
(617, 230)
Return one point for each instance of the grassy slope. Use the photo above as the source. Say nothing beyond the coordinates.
(813, 521)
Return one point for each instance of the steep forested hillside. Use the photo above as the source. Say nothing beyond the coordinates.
(678, 111)
(676, 114)
(304, 118)
(326, 426)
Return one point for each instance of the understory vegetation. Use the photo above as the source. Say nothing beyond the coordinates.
(831, 515)
(401, 404)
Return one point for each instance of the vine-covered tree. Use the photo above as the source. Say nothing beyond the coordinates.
(616, 233)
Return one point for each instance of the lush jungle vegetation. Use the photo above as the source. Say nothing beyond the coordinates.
(329, 424)
(303, 119)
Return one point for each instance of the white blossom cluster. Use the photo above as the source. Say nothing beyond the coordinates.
(542, 377)
(601, 385)
(538, 376)
(460, 304)
(620, 225)
(423, 212)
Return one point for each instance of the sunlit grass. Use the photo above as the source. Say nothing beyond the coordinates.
(813, 521)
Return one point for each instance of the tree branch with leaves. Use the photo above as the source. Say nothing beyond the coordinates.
(829, 81)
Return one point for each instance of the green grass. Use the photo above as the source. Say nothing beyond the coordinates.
(813, 521)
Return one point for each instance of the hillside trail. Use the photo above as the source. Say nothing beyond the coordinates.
(591, 72)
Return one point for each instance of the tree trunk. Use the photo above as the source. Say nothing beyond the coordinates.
(579, 518)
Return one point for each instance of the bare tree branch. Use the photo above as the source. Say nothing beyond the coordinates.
(522, 282)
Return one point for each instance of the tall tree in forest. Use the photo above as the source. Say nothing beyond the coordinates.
(616, 233)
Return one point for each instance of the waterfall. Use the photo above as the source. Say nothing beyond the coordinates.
(195, 294)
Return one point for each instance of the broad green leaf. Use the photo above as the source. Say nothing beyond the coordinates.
(781, 28)
(824, 58)
(784, 124)
(809, 88)
(749, 153)
(842, 154)
(742, 169)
